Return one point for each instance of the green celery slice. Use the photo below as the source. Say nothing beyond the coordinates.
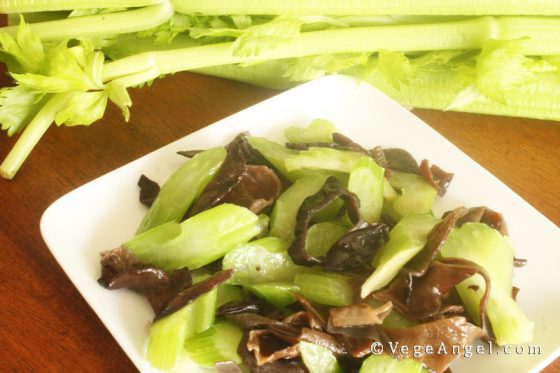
(280, 294)
(366, 181)
(273, 152)
(261, 261)
(182, 188)
(322, 236)
(406, 240)
(485, 246)
(167, 335)
(229, 293)
(217, 344)
(384, 363)
(318, 359)
(325, 288)
(198, 240)
(319, 130)
(284, 215)
(416, 196)
(326, 159)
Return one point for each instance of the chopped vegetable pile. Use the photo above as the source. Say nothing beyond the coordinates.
(304, 257)
(69, 58)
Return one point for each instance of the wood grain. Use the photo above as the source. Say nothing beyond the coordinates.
(45, 325)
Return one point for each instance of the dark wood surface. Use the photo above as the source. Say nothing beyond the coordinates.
(45, 325)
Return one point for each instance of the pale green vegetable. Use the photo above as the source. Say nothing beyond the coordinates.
(384, 363)
(100, 25)
(22, 6)
(319, 130)
(282, 39)
(322, 236)
(280, 294)
(369, 7)
(198, 240)
(366, 181)
(326, 159)
(406, 240)
(182, 188)
(261, 261)
(485, 246)
(284, 214)
(167, 335)
(273, 152)
(325, 288)
(318, 359)
(218, 343)
(415, 196)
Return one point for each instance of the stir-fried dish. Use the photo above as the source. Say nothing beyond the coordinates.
(318, 255)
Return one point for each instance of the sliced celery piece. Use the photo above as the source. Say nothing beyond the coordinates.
(319, 130)
(318, 359)
(280, 294)
(325, 288)
(284, 215)
(217, 344)
(488, 248)
(204, 312)
(406, 240)
(384, 363)
(366, 181)
(198, 240)
(229, 293)
(273, 152)
(260, 261)
(167, 335)
(182, 188)
(416, 196)
(327, 159)
(166, 339)
(322, 236)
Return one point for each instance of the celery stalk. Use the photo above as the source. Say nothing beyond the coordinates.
(217, 344)
(366, 181)
(167, 335)
(23, 6)
(319, 130)
(369, 7)
(284, 215)
(280, 294)
(100, 25)
(325, 288)
(384, 363)
(33, 133)
(318, 359)
(275, 153)
(322, 236)
(261, 261)
(488, 248)
(323, 159)
(198, 240)
(182, 188)
(406, 240)
(229, 293)
(468, 34)
(416, 196)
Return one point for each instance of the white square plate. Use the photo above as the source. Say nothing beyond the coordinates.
(105, 212)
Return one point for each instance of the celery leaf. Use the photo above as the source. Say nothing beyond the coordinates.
(83, 109)
(17, 105)
(502, 66)
(24, 53)
(308, 68)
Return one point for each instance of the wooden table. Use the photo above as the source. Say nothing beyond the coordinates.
(45, 325)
